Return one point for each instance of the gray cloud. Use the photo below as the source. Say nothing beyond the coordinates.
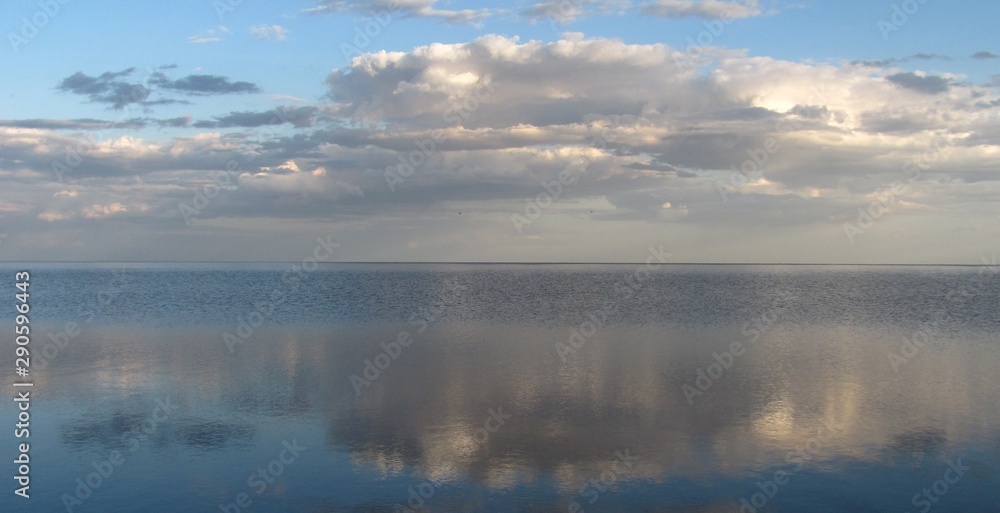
(299, 117)
(72, 124)
(985, 55)
(929, 57)
(402, 8)
(926, 85)
(119, 89)
(886, 63)
(203, 85)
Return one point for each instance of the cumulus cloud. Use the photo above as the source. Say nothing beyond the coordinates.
(477, 95)
(489, 121)
(287, 179)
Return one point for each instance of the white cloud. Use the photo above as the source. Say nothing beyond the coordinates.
(269, 32)
(288, 180)
(210, 35)
(99, 211)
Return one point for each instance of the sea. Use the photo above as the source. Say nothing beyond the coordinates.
(280, 387)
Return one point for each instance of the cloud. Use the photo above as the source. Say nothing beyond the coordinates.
(490, 120)
(107, 88)
(985, 55)
(287, 179)
(73, 124)
(566, 11)
(299, 117)
(98, 211)
(209, 36)
(178, 122)
(929, 57)
(706, 9)
(203, 39)
(269, 32)
(119, 89)
(403, 8)
(203, 85)
(887, 63)
(921, 84)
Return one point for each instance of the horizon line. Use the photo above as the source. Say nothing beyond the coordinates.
(13, 262)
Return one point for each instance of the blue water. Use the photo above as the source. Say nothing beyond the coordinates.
(515, 388)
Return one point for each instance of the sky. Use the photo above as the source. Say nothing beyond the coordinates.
(718, 131)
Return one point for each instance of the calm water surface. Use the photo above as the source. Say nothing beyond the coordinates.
(501, 388)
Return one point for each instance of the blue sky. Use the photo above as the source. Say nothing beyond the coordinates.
(864, 100)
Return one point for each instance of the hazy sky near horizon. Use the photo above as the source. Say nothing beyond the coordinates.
(816, 131)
